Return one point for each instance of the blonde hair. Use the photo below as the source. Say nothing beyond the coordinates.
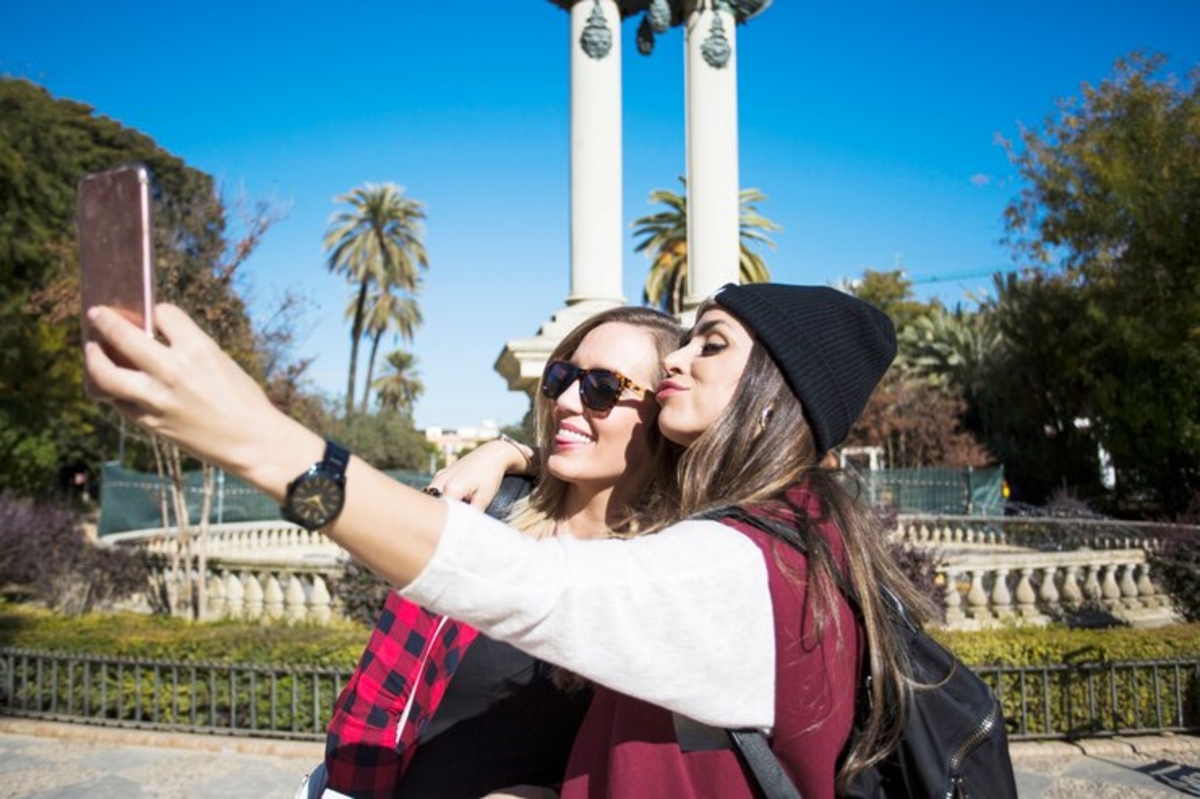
(537, 514)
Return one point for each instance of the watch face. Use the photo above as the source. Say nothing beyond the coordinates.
(315, 500)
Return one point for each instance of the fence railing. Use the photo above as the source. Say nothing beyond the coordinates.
(1059, 702)
(216, 698)
(1094, 699)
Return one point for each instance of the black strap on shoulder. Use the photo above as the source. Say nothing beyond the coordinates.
(757, 755)
(512, 488)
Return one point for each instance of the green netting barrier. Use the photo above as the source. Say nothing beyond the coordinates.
(132, 500)
(955, 492)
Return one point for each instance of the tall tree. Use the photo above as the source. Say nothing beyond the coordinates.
(399, 386)
(387, 312)
(47, 426)
(1107, 226)
(664, 240)
(377, 242)
(916, 416)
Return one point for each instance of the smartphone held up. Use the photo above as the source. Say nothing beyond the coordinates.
(116, 244)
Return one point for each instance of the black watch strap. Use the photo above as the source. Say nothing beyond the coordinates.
(336, 457)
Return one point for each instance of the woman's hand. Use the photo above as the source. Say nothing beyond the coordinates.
(187, 390)
(475, 478)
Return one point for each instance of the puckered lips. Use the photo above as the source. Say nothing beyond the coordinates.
(668, 388)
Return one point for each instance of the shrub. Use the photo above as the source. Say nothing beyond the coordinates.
(361, 593)
(1176, 569)
(48, 557)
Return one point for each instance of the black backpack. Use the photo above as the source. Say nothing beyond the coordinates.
(954, 745)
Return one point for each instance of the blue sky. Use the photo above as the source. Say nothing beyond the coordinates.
(870, 126)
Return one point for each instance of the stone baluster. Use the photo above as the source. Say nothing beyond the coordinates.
(1048, 592)
(1129, 588)
(1001, 597)
(1091, 584)
(977, 599)
(1110, 590)
(216, 597)
(1146, 591)
(1071, 593)
(319, 601)
(273, 599)
(254, 596)
(235, 596)
(294, 600)
(1025, 596)
(953, 600)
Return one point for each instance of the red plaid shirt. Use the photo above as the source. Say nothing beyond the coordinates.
(392, 695)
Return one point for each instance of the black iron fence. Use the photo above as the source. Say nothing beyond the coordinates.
(1065, 701)
(219, 698)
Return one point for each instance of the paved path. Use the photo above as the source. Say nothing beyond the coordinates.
(45, 760)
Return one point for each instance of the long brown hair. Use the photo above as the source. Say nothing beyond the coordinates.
(543, 507)
(760, 446)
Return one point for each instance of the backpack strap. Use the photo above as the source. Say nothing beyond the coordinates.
(757, 756)
(512, 488)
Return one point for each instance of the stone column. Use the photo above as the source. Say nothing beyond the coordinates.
(596, 209)
(712, 149)
(597, 234)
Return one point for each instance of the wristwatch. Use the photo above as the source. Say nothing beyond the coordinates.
(315, 498)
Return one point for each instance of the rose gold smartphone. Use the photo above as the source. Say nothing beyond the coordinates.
(116, 244)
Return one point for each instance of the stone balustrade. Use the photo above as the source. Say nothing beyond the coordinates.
(242, 539)
(994, 570)
(995, 588)
(1024, 533)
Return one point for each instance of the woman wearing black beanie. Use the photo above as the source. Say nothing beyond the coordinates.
(710, 623)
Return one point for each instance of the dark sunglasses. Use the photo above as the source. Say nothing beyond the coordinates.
(598, 388)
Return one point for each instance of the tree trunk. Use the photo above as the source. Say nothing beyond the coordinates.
(370, 371)
(355, 337)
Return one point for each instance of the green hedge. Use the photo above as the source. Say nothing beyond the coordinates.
(339, 645)
(137, 635)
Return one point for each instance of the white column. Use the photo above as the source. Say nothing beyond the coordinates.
(597, 234)
(712, 151)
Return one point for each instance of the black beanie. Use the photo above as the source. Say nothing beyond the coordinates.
(832, 348)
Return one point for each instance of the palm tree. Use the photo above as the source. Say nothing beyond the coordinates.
(386, 312)
(399, 386)
(376, 241)
(665, 242)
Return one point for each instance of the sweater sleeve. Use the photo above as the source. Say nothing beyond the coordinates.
(681, 619)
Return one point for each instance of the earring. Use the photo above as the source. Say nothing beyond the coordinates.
(764, 418)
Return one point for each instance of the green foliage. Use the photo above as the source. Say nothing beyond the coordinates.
(363, 593)
(891, 292)
(1176, 565)
(1106, 321)
(143, 636)
(918, 413)
(48, 557)
(400, 386)
(46, 146)
(1092, 694)
(386, 440)
(377, 244)
(664, 240)
(1053, 644)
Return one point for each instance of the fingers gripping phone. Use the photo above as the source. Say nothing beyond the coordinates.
(116, 244)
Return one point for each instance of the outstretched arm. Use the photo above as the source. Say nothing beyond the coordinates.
(186, 389)
(696, 591)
